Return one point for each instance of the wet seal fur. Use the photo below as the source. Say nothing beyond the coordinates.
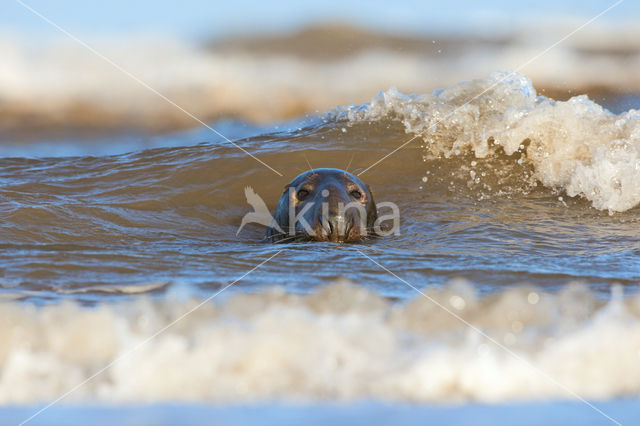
(327, 205)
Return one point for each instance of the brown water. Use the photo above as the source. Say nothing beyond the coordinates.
(84, 226)
(520, 196)
(171, 214)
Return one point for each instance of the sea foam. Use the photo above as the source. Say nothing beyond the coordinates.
(341, 343)
(576, 145)
(61, 81)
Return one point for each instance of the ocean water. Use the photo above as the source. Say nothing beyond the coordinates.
(514, 277)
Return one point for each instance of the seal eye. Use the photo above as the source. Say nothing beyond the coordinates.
(356, 194)
(302, 194)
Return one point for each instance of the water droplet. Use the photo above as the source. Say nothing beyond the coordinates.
(457, 302)
(617, 185)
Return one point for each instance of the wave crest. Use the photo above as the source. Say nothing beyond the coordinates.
(341, 343)
(576, 145)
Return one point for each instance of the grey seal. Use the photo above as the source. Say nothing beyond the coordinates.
(324, 205)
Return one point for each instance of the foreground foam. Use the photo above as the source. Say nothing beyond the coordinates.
(575, 146)
(341, 343)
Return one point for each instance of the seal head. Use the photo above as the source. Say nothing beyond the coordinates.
(324, 205)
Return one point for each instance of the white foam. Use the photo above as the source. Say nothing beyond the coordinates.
(341, 343)
(576, 146)
(120, 289)
(47, 77)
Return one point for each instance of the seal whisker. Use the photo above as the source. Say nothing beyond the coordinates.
(308, 163)
(291, 238)
(281, 234)
(350, 161)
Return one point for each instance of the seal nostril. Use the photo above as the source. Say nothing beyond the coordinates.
(337, 225)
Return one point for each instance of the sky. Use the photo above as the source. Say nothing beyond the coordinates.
(201, 19)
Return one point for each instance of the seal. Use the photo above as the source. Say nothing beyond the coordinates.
(324, 205)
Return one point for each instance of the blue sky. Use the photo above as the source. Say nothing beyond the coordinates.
(197, 19)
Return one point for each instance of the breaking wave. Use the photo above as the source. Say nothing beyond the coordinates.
(576, 146)
(342, 342)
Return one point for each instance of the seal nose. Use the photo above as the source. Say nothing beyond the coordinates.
(333, 222)
(338, 227)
